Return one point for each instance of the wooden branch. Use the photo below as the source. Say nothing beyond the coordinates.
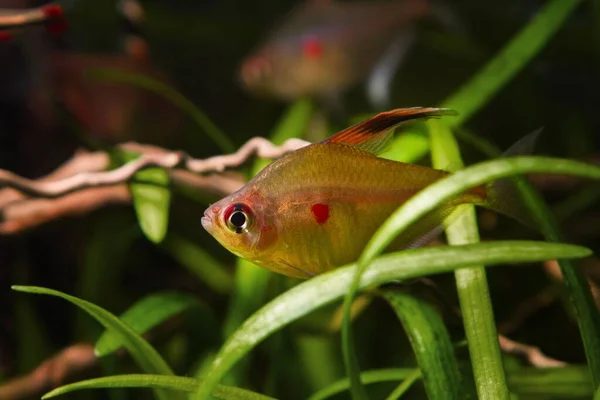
(51, 373)
(166, 159)
(82, 185)
(532, 354)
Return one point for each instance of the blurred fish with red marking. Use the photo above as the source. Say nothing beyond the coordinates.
(50, 16)
(325, 46)
(315, 208)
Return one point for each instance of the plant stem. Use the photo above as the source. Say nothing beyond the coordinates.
(473, 292)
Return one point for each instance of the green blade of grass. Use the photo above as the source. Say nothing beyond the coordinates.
(405, 385)
(177, 383)
(573, 381)
(145, 314)
(179, 100)
(142, 352)
(581, 296)
(471, 283)
(430, 343)
(368, 377)
(433, 196)
(513, 57)
(325, 288)
(517, 53)
(200, 263)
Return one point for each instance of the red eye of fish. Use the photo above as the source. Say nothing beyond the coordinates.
(238, 218)
(312, 48)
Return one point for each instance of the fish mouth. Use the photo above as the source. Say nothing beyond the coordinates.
(206, 222)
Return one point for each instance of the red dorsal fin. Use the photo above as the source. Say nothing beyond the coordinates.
(374, 134)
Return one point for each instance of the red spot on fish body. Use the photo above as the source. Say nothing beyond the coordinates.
(312, 47)
(321, 213)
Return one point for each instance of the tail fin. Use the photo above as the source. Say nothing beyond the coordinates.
(503, 194)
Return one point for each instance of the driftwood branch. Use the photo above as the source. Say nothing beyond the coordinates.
(51, 373)
(532, 354)
(83, 184)
(164, 159)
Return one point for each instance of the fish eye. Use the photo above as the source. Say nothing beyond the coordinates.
(239, 218)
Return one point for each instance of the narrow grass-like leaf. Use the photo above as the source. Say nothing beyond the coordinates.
(433, 196)
(471, 283)
(151, 201)
(325, 288)
(517, 53)
(514, 56)
(583, 302)
(142, 352)
(405, 385)
(178, 383)
(368, 377)
(145, 314)
(430, 343)
(572, 381)
(179, 100)
(200, 263)
(447, 188)
(581, 296)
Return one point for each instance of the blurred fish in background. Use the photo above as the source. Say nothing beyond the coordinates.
(114, 112)
(323, 47)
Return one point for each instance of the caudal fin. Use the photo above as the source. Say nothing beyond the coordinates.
(503, 194)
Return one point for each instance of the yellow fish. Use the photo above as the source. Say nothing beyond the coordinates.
(315, 208)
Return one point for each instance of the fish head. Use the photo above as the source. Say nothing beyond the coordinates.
(242, 224)
(256, 72)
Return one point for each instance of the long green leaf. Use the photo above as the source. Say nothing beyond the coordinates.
(325, 288)
(572, 381)
(156, 382)
(431, 345)
(370, 376)
(145, 314)
(581, 296)
(405, 385)
(433, 196)
(471, 283)
(453, 185)
(515, 55)
(179, 100)
(142, 352)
